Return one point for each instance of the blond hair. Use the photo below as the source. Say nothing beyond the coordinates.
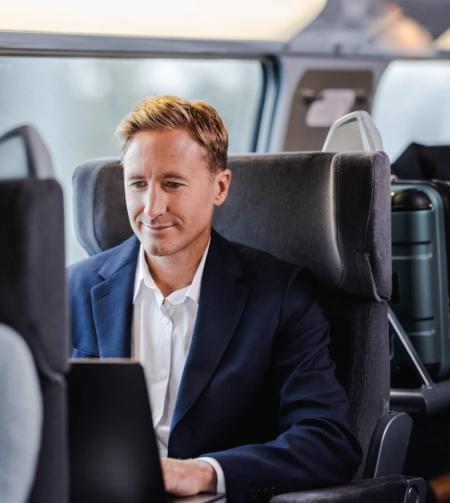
(171, 112)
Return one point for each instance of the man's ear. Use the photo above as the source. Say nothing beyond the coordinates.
(222, 183)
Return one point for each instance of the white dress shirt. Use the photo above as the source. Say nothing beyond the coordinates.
(161, 337)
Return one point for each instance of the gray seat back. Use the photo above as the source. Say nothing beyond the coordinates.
(33, 291)
(33, 302)
(99, 208)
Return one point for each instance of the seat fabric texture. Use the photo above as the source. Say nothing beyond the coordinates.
(387, 489)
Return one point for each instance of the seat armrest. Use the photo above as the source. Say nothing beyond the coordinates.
(391, 488)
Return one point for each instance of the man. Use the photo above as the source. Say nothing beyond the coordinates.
(243, 393)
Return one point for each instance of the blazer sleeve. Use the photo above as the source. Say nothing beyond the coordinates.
(314, 447)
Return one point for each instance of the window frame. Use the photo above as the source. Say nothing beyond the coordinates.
(28, 44)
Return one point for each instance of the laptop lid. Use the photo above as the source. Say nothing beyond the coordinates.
(113, 451)
(114, 457)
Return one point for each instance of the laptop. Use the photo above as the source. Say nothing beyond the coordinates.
(114, 456)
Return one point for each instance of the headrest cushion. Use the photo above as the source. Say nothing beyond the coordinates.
(32, 268)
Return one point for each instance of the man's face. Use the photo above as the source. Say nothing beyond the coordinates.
(170, 191)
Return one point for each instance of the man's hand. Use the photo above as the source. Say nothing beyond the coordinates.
(186, 477)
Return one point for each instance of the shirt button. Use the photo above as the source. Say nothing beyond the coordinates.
(166, 321)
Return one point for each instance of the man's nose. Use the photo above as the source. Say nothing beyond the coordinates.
(156, 201)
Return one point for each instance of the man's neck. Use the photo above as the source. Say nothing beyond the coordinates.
(173, 272)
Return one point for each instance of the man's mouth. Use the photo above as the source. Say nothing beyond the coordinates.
(157, 224)
(157, 227)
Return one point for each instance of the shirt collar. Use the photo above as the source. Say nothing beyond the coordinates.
(144, 279)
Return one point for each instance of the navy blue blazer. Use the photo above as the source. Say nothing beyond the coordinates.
(258, 392)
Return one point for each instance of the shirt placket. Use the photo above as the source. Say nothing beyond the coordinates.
(161, 373)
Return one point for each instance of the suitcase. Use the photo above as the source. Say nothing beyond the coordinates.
(420, 273)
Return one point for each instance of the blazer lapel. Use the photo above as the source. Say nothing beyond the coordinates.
(222, 301)
(112, 301)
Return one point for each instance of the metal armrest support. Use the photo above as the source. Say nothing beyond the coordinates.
(389, 489)
(426, 399)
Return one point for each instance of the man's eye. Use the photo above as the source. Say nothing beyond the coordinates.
(172, 185)
(138, 184)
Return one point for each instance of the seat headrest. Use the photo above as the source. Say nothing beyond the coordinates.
(355, 131)
(328, 212)
(32, 268)
(23, 154)
(100, 212)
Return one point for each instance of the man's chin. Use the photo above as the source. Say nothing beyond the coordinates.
(158, 249)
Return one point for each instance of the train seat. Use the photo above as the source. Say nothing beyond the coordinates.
(20, 394)
(33, 301)
(338, 225)
(420, 269)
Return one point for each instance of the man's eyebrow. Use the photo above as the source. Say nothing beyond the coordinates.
(169, 174)
(134, 177)
(173, 174)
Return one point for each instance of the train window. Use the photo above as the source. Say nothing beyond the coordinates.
(76, 103)
(411, 105)
(13, 158)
